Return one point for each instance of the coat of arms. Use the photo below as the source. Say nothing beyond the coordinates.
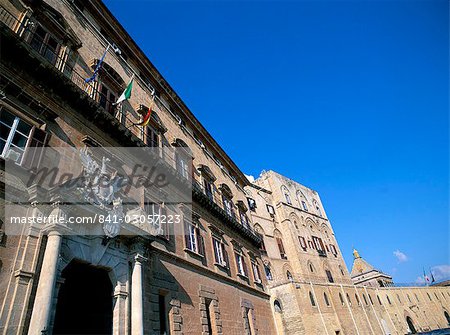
(100, 188)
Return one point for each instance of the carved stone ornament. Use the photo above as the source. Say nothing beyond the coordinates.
(100, 189)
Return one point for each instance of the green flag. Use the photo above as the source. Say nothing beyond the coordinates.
(127, 93)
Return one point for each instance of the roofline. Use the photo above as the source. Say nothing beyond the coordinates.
(137, 54)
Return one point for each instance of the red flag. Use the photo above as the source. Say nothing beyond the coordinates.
(146, 119)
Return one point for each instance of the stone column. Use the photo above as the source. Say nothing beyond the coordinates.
(40, 319)
(45, 293)
(120, 297)
(137, 311)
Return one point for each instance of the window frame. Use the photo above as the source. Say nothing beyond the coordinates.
(256, 274)
(220, 253)
(241, 266)
(193, 238)
(12, 133)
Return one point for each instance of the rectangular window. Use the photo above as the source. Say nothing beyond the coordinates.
(106, 98)
(183, 165)
(251, 204)
(281, 248)
(244, 218)
(249, 317)
(209, 188)
(302, 242)
(209, 315)
(256, 274)
(228, 205)
(163, 320)
(194, 240)
(44, 43)
(152, 137)
(220, 252)
(333, 250)
(14, 136)
(241, 266)
(318, 244)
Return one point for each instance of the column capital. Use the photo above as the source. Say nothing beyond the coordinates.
(139, 258)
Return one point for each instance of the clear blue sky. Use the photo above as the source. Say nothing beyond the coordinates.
(348, 98)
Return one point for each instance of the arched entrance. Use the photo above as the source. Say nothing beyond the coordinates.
(411, 325)
(447, 317)
(85, 302)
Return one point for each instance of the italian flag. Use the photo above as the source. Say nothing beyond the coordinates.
(127, 93)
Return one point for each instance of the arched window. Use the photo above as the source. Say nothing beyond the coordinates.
(349, 300)
(365, 300)
(277, 306)
(447, 317)
(311, 266)
(436, 296)
(289, 276)
(279, 240)
(357, 299)
(370, 298)
(311, 297)
(429, 296)
(302, 200)
(341, 270)
(389, 300)
(325, 297)
(286, 194)
(398, 298)
(409, 298)
(411, 327)
(417, 298)
(341, 299)
(379, 300)
(317, 207)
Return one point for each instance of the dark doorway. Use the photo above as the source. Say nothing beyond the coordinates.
(447, 317)
(85, 303)
(411, 325)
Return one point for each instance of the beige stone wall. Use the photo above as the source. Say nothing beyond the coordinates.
(355, 316)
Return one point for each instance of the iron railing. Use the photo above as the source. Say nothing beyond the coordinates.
(216, 199)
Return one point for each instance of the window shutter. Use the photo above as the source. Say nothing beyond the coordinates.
(244, 265)
(302, 242)
(33, 153)
(166, 225)
(225, 256)
(321, 244)
(186, 235)
(200, 242)
(216, 256)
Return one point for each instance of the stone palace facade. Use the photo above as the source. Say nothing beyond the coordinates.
(244, 258)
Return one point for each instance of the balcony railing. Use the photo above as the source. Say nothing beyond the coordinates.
(215, 204)
(64, 62)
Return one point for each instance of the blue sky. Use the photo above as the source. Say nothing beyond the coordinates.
(349, 98)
